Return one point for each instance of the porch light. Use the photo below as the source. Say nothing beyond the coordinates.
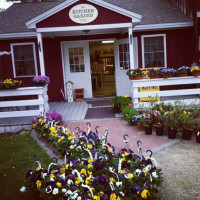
(108, 41)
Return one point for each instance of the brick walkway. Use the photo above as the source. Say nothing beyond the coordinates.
(117, 128)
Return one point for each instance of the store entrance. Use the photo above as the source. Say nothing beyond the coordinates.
(103, 68)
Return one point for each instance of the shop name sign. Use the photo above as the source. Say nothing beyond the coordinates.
(83, 13)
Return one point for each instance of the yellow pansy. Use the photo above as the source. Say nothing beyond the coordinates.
(90, 160)
(112, 180)
(88, 181)
(113, 196)
(123, 171)
(130, 176)
(89, 166)
(145, 194)
(96, 197)
(89, 146)
(126, 96)
(39, 184)
(77, 181)
(83, 171)
(70, 137)
(90, 173)
(37, 169)
(66, 166)
(126, 154)
(60, 139)
(52, 129)
(34, 125)
(52, 176)
(59, 185)
(62, 170)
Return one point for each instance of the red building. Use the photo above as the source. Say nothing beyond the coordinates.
(92, 43)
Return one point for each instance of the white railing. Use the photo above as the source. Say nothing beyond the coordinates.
(179, 93)
(33, 101)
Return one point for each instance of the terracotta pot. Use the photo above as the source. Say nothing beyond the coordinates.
(148, 130)
(136, 77)
(187, 134)
(141, 127)
(197, 134)
(167, 76)
(197, 73)
(182, 75)
(159, 130)
(172, 133)
(154, 76)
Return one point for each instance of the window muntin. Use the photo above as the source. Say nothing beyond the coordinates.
(154, 51)
(24, 60)
(124, 56)
(76, 59)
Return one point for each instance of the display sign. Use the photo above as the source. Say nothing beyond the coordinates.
(83, 13)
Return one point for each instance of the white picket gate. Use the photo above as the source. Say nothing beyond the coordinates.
(33, 101)
(181, 94)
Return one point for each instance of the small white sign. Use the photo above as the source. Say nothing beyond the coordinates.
(83, 13)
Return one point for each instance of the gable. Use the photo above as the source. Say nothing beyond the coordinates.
(62, 19)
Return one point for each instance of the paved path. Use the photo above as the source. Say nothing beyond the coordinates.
(117, 128)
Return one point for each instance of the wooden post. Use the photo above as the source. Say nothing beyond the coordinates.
(130, 34)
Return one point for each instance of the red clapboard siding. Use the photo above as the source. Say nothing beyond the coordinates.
(105, 16)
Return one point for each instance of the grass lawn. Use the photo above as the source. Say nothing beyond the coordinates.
(17, 155)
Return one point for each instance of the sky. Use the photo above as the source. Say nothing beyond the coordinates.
(4, 4)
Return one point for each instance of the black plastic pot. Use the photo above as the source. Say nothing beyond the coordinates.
(159, 130)
(148, 130)
(197, 136)
(187, 134)
(172, 133)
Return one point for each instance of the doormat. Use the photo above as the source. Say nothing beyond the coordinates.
(100, 113)
(100, 102)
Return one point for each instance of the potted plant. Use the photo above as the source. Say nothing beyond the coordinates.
(41, 80)
(10, 84)
(157, 120)
(153, 73)
(167, 73)
(129, 113)
(182, 71)
(135, 74)
(195, 70)
(187, 121)
(146, 121)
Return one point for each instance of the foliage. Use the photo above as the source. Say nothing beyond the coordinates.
(187, 120)
(41, 79)
(182, 70)
(92, 170)
(153, 71)
(18, 154)
(120, 101)
(128, 113)
(10, 84)
(134, 72)
(195, 69)
(168, 71)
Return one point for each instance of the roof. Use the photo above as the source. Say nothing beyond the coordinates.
(153, 12)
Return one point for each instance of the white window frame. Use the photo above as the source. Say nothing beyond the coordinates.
(165, 49)
(13, 58)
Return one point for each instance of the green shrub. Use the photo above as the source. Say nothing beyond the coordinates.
(120, 101)
(128, 113)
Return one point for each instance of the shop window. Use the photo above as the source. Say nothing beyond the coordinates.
(24, 59)
(76, 59)
(154, 51)
(124, 56)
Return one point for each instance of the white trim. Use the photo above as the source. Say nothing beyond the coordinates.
(13, 59)
(32, 23)
(163, 26)
(131, 53)
(165, 49)
(135, 17)
(18, 35)
(41, 54)
(198, 14)
(87, 27)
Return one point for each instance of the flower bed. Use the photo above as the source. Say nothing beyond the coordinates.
(92, 169)
(9, 84)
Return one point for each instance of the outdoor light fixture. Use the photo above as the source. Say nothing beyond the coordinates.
(108, 41)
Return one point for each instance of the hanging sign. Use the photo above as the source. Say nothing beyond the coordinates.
(83, 13)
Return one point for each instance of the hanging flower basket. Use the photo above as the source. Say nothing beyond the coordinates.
(187, 134)
(172, 133)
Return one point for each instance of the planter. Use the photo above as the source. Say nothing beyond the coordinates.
(196, 73)
(136, 77)
(181, 75)
(159, 130)
(40, 84)
(167, 76)
(187, 134)
(154, 76)
(148, 130)
(171, 133)
(197, 136)
(141, 127)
